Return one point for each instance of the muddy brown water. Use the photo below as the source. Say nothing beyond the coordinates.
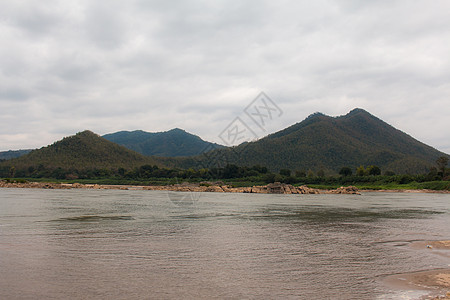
(113, 244)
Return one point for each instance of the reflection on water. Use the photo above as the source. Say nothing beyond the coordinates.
(94, 218)
(141, 244)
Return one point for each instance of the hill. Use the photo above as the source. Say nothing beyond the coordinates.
(329, 143)
(319, 142)
(85, 150)
(172, 143)
(13, 153)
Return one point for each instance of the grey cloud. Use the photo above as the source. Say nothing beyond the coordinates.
(75, 67)
(105, 24)
(33, 17)
(15, 94)
(155, 65)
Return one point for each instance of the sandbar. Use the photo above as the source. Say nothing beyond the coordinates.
(436, 281)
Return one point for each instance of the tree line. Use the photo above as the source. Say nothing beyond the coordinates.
(254, 173)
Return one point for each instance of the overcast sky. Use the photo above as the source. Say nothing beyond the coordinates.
(106, 66)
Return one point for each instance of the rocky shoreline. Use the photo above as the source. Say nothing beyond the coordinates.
(272, 188)
(220, 187)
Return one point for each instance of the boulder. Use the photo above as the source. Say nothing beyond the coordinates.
(306, 190)
(345, 190)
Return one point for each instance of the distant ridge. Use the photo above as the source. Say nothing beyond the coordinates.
(329, 143)
(84, 150)
(13, 153)
(172, 143)
(319, 142)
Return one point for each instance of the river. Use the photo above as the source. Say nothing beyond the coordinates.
(126, 244)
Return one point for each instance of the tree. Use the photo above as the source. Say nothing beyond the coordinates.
(321, 173)
(442, 163)
(12, 171)
(121, 172)
(360, 171)
(269, 178)
(433, 171)
(285, 172)
(433, 174)
(259, 169)
(145, 171)
(373, 170)
(231, 171)
(31, 169)
(345, 171)
(300, 174)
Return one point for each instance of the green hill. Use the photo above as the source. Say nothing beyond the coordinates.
(13, 153)
(329, 143)
(85, 150)
(172, 143)
(319, 142)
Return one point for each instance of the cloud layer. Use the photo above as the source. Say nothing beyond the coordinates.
(155, 65)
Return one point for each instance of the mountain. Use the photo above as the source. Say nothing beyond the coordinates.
(318, 142)
(172, 143)
(329, 143)
(85, 150)
(13, 153)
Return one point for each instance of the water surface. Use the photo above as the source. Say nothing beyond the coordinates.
(113, 244)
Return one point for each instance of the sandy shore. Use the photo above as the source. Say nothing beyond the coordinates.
(435, 281)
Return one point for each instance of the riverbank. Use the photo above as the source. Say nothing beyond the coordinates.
(272, 188)
(437, 282)
(406, 191)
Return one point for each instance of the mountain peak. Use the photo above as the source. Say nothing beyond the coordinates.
(86, 133)
(176, 129)
(329, 143)
(171, 143)
(357, 111)
(82, 151)
(315, 115)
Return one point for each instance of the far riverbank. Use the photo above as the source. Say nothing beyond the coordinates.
(272, 188)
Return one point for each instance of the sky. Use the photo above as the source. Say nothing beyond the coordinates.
(107, 66)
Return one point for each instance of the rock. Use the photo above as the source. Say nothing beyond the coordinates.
(214, 188)
(227, 188)
(258, 190)
(345, 190)
(275, 188)
(306, 190)
(217, 187)
(48, 186)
